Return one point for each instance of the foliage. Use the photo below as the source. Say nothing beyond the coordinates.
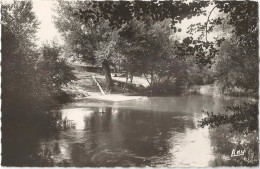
(243, 128)
(31, 81)
(240, 18)
(93, 42)
(79, 42)
(56, 73)
(244, 17)
(226, 142)
(237, 66)
(146, 47)
(31, 78)
(120, 13)
(244, 118)
(197, 74)
(18, 55)
(143, 27)
(141, 48)
(234, 63)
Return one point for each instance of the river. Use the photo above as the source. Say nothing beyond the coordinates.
(154, 131)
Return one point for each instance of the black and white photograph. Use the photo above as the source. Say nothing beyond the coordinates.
(129, 83)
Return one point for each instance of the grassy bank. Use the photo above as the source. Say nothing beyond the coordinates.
(213, 89)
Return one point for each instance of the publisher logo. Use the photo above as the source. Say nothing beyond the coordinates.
(236, 153)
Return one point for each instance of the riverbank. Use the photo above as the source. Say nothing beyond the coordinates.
(84, 87)
(214, 90)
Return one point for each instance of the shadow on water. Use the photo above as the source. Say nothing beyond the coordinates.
(99, 137)
(20, 139)
(149, 132)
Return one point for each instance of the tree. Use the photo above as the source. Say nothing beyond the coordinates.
(18, 55)
(243, 119)
(31, 79)
(79, 40)
(237, 64)
(120, 15)
(147, 47)
(54, 72)
(93, 41)
(114, 16)
(242, 20)
(25, 84)
(237, 67)
(145, 44)
(236, 46)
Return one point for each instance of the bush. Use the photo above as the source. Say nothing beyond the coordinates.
(244, 118)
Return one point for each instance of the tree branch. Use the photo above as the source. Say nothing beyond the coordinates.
(147, 79)
(208, 22)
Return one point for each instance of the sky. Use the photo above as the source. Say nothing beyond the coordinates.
(198, 19)
(47, 31)
(44, 11)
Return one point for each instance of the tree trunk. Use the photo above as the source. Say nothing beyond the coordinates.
(152, 82)
(126, 80)
(147, 80)
(109, 81)
(131, 76)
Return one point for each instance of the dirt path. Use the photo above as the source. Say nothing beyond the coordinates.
(136, 80)
(86, 87)
(83, 87)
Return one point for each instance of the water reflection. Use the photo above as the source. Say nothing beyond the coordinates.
(110, 136)
(147, 132)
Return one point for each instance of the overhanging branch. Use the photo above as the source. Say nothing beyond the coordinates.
(208, 21)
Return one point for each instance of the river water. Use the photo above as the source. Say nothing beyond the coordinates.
(155, 131)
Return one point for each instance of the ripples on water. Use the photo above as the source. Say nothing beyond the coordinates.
(157, 131)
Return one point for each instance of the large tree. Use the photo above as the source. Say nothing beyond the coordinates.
(119, 16)
(25, 83)
(149, 48)
(31, 79)
(91, 28)
(19, 25)
(93, 42)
